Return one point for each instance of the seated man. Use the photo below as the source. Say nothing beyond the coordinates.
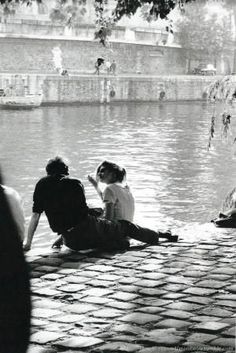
(63, 200)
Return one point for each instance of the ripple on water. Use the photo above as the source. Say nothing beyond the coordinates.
(175, 181)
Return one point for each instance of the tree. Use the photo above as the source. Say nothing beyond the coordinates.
(68, 14)
(231, 5)
(223, 90)
(211, 36)
(105, 22)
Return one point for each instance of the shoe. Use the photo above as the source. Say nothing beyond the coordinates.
(173, 238)
(165, 235)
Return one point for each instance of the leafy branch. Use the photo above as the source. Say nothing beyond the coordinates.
(152, 10)
(223, 90)
(67, 14)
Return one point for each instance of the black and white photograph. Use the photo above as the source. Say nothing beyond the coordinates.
(117, 176)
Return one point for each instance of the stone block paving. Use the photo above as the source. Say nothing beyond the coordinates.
(171, 298)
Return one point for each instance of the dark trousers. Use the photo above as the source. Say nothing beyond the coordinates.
(101, 233)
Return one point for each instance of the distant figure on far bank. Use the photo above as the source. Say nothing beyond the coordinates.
(108, 66)
(64, 72)
(98, 64)
(113, 68)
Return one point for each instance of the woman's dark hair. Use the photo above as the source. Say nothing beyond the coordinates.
(119, 172)
(56, 166)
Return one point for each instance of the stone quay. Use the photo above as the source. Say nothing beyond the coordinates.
(170, 298)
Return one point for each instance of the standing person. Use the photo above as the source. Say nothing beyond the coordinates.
(108, 66)
(113, 67)
(62, 199)
(98, 65)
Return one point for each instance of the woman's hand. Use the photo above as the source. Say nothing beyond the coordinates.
(93, 181)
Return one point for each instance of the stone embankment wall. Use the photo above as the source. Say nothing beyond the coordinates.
(58, 89)
(31, 54)
(99, 89)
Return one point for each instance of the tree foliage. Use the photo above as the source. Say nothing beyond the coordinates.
(70, 13)
(222, 90)
(200, 31)
(154, 9)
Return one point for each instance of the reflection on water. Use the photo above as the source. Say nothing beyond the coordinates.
(173, 177)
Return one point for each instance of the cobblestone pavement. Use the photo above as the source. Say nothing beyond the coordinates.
(170, 298)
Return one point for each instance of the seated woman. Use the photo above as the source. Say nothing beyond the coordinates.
(117, 197)
(118, 200)
(227, 218)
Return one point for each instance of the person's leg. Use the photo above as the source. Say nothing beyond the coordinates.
(103, 234)
(145, 235)
(139, 233)
(96, 233)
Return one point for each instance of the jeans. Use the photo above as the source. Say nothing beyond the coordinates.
(103, 234)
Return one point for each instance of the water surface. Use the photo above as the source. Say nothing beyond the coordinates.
(175, 180)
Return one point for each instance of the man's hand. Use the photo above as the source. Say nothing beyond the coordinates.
(26, 247)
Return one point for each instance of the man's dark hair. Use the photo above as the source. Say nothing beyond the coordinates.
(56, 166)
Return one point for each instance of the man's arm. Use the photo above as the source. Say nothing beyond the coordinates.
(31, 230)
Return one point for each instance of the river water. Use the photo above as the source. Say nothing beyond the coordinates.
(174, 178)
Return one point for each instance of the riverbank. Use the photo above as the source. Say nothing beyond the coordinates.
(123, 88)
(90, 88)
(170, 298)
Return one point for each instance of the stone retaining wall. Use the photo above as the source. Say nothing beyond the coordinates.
(99, 89)
(107, 89)
(31, 54)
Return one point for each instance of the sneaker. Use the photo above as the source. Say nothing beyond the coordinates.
(174, 238)
(168, 235)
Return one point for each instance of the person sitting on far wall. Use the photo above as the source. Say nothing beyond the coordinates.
(63, 200)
